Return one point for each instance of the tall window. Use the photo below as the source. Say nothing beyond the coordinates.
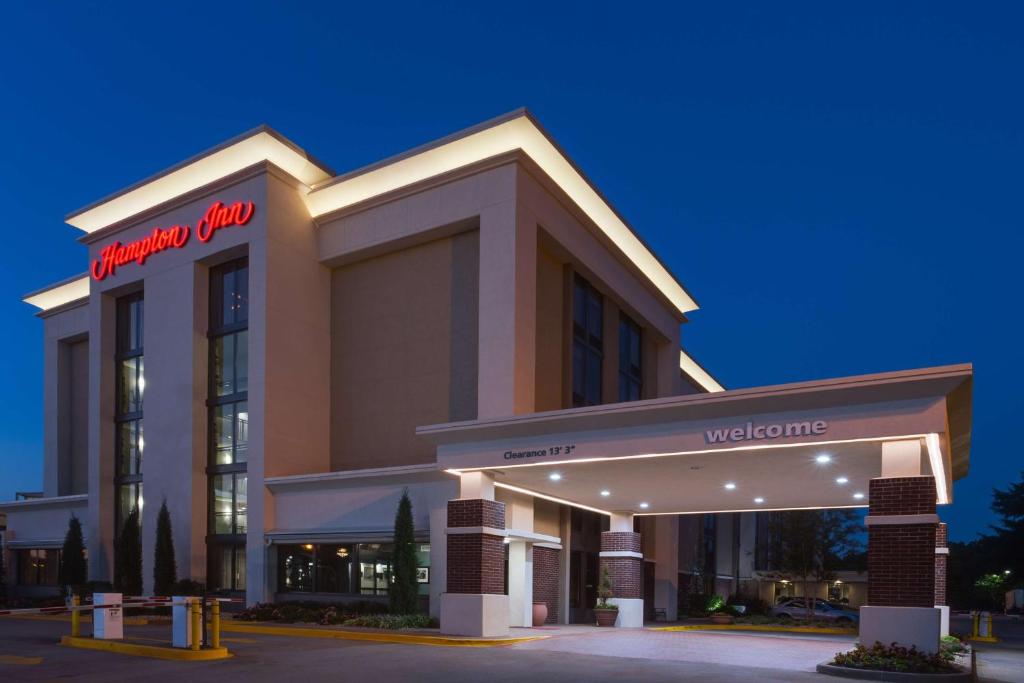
(131, 383)
(587, 343)
(229, 423)
(630, 377)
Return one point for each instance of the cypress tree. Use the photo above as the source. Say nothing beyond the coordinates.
(3, 579)
(404, 588)
(73, 568)
(165, 569)
(128, 574)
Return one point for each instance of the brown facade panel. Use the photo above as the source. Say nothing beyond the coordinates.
(545, 580)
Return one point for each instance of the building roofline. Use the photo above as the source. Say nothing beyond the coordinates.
(60, 293)
(175, 180)
(698, 373)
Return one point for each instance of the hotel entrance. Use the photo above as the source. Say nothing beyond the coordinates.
(891, 443)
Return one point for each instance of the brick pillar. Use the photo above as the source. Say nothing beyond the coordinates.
(941, 564)
(546, 579)
(476, 555)
(621, 554)
(474, 602)
(901, 542)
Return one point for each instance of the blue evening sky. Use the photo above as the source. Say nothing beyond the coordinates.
(839, 187)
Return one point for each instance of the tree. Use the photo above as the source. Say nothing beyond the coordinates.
(1009, 536)
(810, 545)
(165, 569)
(404, 587)
(128, 569)
(74, 570)
(3, 579)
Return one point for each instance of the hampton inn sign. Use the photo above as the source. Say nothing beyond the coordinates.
(175, 237)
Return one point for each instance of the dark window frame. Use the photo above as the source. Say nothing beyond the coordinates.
(129, 345)
(631, 377)
(587, 343)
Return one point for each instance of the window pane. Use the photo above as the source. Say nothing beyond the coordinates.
(227, 298)
(241, 508)
(334, 568)
(593, 375)
(241, 432)
(242, 294)
(374, 568)
(130, 382)
(241, 362)
(239, 568)
(223, 434)
(222, 505)
(223, 365)
(295, 566)
(130, 445)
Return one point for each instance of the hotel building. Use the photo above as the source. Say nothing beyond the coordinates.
(278, 352)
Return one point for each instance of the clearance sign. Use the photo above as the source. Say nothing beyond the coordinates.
(218, 216)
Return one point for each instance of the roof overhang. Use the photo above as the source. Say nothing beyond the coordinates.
(695, 371)
(515, 131)
(674, 446)
(60, 294)
(262, 144)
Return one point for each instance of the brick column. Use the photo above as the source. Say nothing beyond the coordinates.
(901, 542)
(901, 564)
(476, 554)
(621, 554)
(941, 563)
(474, 603)
(545, 579)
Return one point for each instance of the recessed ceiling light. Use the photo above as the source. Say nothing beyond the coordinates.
(644, 505)
(858, 496)
(554, 476)
(606, 493)
(759, 500)
(842, 480)
(823, 458)
(730, 486)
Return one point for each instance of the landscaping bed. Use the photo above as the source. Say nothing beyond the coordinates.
(364, 613)
(895, 663)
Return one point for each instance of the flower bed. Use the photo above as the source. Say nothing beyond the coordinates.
(895, 658)
(363, 613)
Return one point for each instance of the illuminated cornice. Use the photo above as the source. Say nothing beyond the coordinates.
(59, 294)
(256, 146)
(698, 374)
(515, 131)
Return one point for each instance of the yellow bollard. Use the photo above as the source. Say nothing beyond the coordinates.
(215, 624)
(197, 626)
(76, 617)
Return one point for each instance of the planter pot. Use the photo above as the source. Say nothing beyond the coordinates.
(606, 617)
(540, 613)
(892, 676)
(721, 619)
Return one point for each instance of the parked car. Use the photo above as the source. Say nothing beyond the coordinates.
(796, 608)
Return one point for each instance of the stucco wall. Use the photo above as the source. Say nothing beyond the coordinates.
(551, 328)
(394, 359)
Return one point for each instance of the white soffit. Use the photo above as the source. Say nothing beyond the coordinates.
(517, 133)
(697, 373)
(59, 294)
(204, 169)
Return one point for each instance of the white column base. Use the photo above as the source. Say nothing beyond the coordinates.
(631, 612)
(474, 614)
(944, 621)
(906, 626)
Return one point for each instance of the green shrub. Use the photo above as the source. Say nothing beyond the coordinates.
(187, 587)
(393, 621)
(893, 657)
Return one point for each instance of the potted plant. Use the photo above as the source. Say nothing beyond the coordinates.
(719, 611)
(605, 612)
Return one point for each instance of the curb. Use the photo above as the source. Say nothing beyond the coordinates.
(757, 627)
(375, 636)
(151, 651)
(891, 676)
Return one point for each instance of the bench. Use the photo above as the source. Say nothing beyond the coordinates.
(659, 614)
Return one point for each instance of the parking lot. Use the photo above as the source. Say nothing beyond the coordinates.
(28, 652)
